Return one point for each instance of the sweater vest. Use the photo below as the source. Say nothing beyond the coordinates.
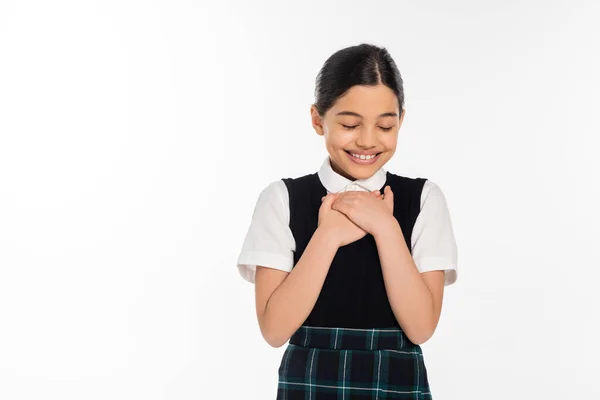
(353, 294)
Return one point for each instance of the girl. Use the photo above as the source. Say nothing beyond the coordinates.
(350, 262)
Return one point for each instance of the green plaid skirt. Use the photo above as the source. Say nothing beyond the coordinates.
(352, 364)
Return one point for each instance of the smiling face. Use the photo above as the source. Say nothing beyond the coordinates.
(360, 130)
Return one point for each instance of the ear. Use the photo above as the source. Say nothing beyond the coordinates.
(401, 118)
(317, 121)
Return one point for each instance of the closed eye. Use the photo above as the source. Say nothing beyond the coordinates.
(383, 128)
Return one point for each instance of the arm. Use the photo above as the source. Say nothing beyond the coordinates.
(415, 298)
(414, 288)
(284, 300)
(284, 294)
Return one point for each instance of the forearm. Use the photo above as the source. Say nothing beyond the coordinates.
(408, 294)
(291, 303)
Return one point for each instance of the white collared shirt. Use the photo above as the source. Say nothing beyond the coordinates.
(270, 243)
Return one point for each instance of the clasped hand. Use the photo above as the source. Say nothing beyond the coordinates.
(351, 215)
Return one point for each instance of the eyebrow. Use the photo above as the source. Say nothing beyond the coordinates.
(387, 114)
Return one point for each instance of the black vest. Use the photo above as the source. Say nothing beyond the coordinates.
(353, 294)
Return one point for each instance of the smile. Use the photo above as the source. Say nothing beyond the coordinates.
(363, 158)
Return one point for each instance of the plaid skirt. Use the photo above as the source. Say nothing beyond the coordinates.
(352, 364)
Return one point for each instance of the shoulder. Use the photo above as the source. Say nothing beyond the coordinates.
(406, 184)
(396, 178)
(277, 193)
(432, 193)
(429, 191)
(303, 180)
(303, 187)
(273, 197)
(274, 188)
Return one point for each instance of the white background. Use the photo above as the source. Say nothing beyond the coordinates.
(135, 137)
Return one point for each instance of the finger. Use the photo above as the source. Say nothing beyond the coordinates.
(388, 190)
(328, 200)
(353, 194)
(354, 198)
(351, 197)
(341, 206)
(389, 196)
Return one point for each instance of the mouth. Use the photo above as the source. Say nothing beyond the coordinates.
(362, 159)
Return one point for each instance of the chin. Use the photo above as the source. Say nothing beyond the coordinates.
(360, 171)
(363, 173)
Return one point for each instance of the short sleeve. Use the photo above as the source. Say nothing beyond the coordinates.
(269, 241)
(433, 242)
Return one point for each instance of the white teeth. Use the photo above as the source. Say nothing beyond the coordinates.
(362, 156)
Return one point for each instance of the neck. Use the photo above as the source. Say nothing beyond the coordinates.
(340, 171)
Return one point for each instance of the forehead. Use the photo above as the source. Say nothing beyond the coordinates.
(368, 101)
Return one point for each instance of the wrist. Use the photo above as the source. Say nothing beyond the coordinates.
(327, 236)
(386, 227)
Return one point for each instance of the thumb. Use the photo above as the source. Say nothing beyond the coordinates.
(328, 200)
(388, 196)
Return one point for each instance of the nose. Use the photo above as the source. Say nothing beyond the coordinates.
(367, 138)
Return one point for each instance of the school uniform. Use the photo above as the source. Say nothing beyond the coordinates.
(351, 345)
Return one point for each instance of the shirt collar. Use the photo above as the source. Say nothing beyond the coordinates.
(334, 182)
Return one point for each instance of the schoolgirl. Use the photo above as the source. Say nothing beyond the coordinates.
(350, 262)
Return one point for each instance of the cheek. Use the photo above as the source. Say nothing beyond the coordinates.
(389, 142)
(337, 139)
